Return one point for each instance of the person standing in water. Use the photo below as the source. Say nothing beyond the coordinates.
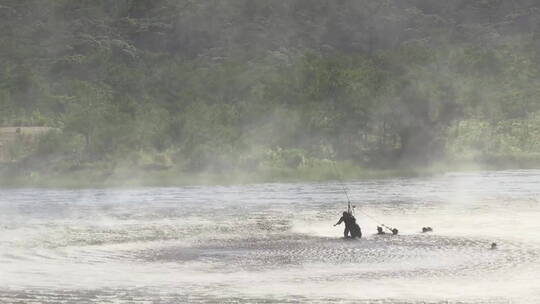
(354, 228)
(351, 227)
(345, 218)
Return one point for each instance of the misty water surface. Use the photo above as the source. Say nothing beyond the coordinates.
(275, 243)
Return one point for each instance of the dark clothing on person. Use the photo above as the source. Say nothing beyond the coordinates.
(346, 232)
(345, 218)
(350, 226)
(356, 232)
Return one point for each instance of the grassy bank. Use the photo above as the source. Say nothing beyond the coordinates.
(124, 177)
(173, 177)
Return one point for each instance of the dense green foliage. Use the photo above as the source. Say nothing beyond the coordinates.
(219, 86)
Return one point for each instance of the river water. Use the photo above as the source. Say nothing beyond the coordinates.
(275, 243)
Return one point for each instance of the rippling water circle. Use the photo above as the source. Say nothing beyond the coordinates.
(275, 243)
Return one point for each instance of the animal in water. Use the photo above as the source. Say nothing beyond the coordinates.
(381, 232)
(427, 229)
(493, 246)
(352, 229)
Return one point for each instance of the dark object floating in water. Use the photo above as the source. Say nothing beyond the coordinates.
(427, 229)
(493, 246)
(381, 232)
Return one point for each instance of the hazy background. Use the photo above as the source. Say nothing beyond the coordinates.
(162, 89)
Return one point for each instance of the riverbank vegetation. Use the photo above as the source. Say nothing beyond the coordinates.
(180, 92)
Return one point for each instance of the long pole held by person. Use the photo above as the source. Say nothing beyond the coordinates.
(351, 210)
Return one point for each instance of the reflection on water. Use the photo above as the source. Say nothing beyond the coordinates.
(275, 243)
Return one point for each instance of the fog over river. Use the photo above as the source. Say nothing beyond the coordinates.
(275, 243)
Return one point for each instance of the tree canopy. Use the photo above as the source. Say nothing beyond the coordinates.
(214, 85)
